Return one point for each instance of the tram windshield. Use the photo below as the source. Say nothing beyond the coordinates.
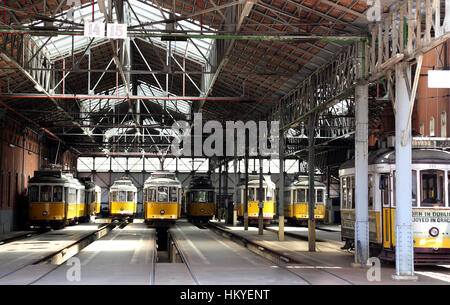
(432, 184)
(34, 193)
(203, 196)
(46, 193)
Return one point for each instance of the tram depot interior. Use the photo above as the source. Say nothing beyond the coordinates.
(340, 173)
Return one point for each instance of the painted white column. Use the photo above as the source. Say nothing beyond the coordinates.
(361, 175)
(404, 255)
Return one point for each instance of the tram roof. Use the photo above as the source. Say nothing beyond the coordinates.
(420, 155)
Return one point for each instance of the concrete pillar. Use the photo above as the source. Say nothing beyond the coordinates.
(404, 248)
(361, 175)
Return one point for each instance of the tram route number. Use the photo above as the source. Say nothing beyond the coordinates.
(431, 216)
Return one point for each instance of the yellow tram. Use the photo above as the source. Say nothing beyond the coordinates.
(430, 204)
(162, 198)
(57, 199)
(297, 196)
(200, 199)
(123, 198)
(253, 203)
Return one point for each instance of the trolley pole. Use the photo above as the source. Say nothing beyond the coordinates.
(311, 191)
(261, 199)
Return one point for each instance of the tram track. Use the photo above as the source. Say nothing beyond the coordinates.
(62, 254)
(179, 251)
(281, 260)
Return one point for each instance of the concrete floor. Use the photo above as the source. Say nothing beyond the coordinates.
(331, 265)
(129, 256)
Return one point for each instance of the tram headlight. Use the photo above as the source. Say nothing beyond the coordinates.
(162, 212)
(434, 231)
(44, 213)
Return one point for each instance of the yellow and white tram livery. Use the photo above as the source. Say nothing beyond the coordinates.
(253, 203)
(162, 198)
(122, 198)
(430, 204)
(200, 199)
(98, 199)
(54, 199)
(297, 196)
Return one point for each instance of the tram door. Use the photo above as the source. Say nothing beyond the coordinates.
(387, 211)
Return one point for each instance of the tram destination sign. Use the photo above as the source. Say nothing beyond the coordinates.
(430, 142)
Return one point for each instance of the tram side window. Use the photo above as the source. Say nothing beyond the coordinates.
(352, 192)
(82, 197)
(210, 196)
(34, 193)
(163, 193)
(72, 196)
(269, 194)
(130, 196)
(414, 188)
(319, 196)
(57, 194)
(46, 193)
(344, 192)
(432, 182)
(371, 182)
(173, 194)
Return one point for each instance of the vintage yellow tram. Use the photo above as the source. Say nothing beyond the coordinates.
(297, 196)
(162, 198)
(123, 198)
(200, 199)
(253, 203)
(430, 204)
(57, 199)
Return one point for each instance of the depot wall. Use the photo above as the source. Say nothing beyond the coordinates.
(22, 151)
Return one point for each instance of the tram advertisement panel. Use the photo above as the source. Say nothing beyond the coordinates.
(431, 226)
(348, 225)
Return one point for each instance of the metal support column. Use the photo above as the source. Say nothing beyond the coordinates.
(311, 191)
(361, 175)
(219, 202)
(260, 199)
(228, 206)
(281, 187)
(246, 181)
(404, 250)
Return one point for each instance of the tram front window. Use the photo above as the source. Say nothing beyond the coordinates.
(34, 194)
(432, 182)
(163, 194)
(46, 193)
(200, 196)
(122, 196)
